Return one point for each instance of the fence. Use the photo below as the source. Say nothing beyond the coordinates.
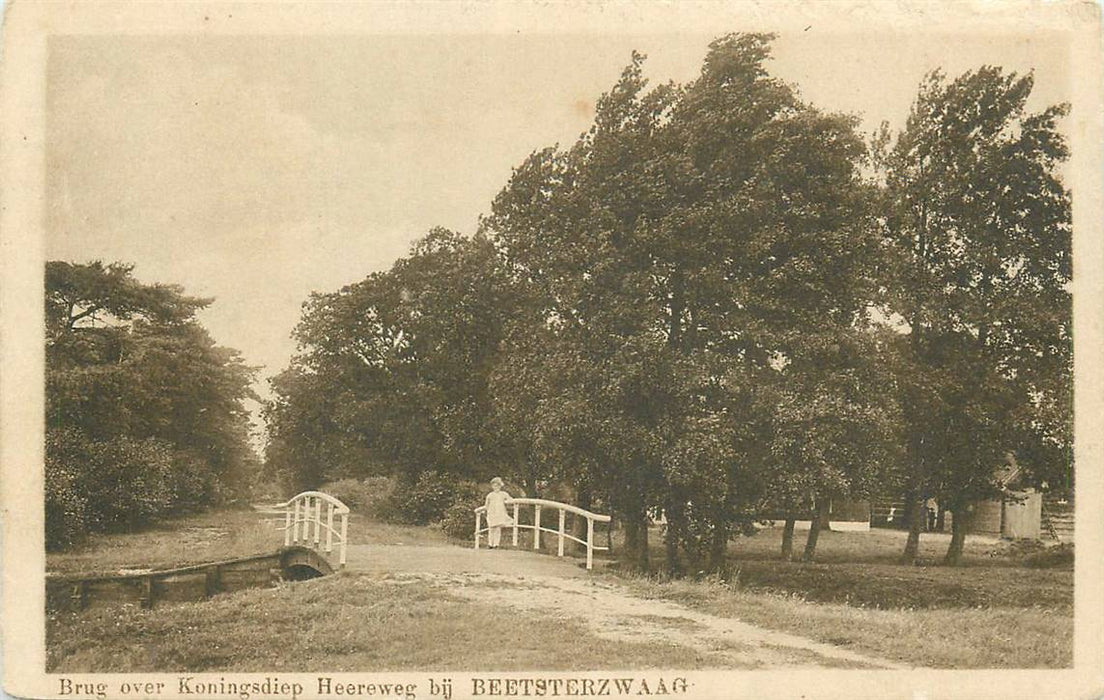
(561, 533)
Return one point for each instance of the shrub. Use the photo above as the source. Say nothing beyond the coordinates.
(368, 496)
(430, 497)
(459, 521)
(1059, 556)
(66, 506)
(96, 485)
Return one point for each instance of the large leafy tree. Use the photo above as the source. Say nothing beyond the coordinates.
(392, 372)
(139, 401)
(981, 221)
(715, 235)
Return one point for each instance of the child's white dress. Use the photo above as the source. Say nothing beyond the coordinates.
(497, 516)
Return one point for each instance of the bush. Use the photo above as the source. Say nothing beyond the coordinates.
(1059, 556)
(430, 498)
(370, 497)
(459, 520)
(66, 507)
(94, 485)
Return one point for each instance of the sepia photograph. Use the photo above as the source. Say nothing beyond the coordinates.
(535, 350)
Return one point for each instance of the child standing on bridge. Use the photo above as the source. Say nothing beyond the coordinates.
(497, 517)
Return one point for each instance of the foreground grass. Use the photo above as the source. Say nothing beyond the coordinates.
(935, 638)
(339, 623)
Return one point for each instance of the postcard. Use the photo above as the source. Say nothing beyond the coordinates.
(436, 350)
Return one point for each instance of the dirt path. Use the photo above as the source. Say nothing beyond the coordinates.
(560, 588)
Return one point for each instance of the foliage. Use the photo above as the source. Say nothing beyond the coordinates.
(695, 244)
(391, 374)
(430, 498)
(145, 415)
(458, 522)
(980, 222)
(369, 497)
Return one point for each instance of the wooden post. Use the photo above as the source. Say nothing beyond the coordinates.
(478, 518)
(318, 522)
(295, 526)
(344, 531)
(590, 543)
(329, 528)
(147, 592)
(287, 525)
(562, 514)
(536, 527)
(213, 581)
(516, 525)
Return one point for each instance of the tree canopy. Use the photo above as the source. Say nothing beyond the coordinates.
(145, 415)
(685, 312)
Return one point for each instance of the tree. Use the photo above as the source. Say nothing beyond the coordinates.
(981, 222)
(392, 371)
(708, 233)
(144, 413)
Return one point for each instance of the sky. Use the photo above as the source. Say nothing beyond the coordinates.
(256, 170)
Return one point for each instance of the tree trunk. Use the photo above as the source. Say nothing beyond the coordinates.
(820, 519)
(636, 536)
(632, 538)
(674, 514)
(579, 523)
(958, 539)
(913, 509)
(718, 547)
(787, 539)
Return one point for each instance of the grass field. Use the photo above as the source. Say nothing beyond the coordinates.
(991, 612)
(339, 623)
(861, 569)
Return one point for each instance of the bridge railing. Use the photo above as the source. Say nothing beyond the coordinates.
(561, 532)
(304, 522)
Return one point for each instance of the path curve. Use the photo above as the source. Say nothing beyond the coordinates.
(567, 591)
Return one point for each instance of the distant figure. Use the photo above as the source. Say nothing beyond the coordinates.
(497, 517)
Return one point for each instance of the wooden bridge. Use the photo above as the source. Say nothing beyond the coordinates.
(305, 554)
(563, 509)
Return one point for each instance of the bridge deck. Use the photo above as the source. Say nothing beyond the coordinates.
(391, 558)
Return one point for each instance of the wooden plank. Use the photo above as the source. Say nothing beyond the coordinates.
(213, 581)
(563, 514)
(536, 526)
(344, 532)
(329, 528)
(287, 526)
(147, 592)
(590, 543)
(295, 525)
(515, 524)
(318, 523)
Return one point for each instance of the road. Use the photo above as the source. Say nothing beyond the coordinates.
(547, 586)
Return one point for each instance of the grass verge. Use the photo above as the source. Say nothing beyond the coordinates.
(340, 623)
(935, 638)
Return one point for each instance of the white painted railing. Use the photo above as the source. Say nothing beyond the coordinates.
(304, 523)
(561, 532)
